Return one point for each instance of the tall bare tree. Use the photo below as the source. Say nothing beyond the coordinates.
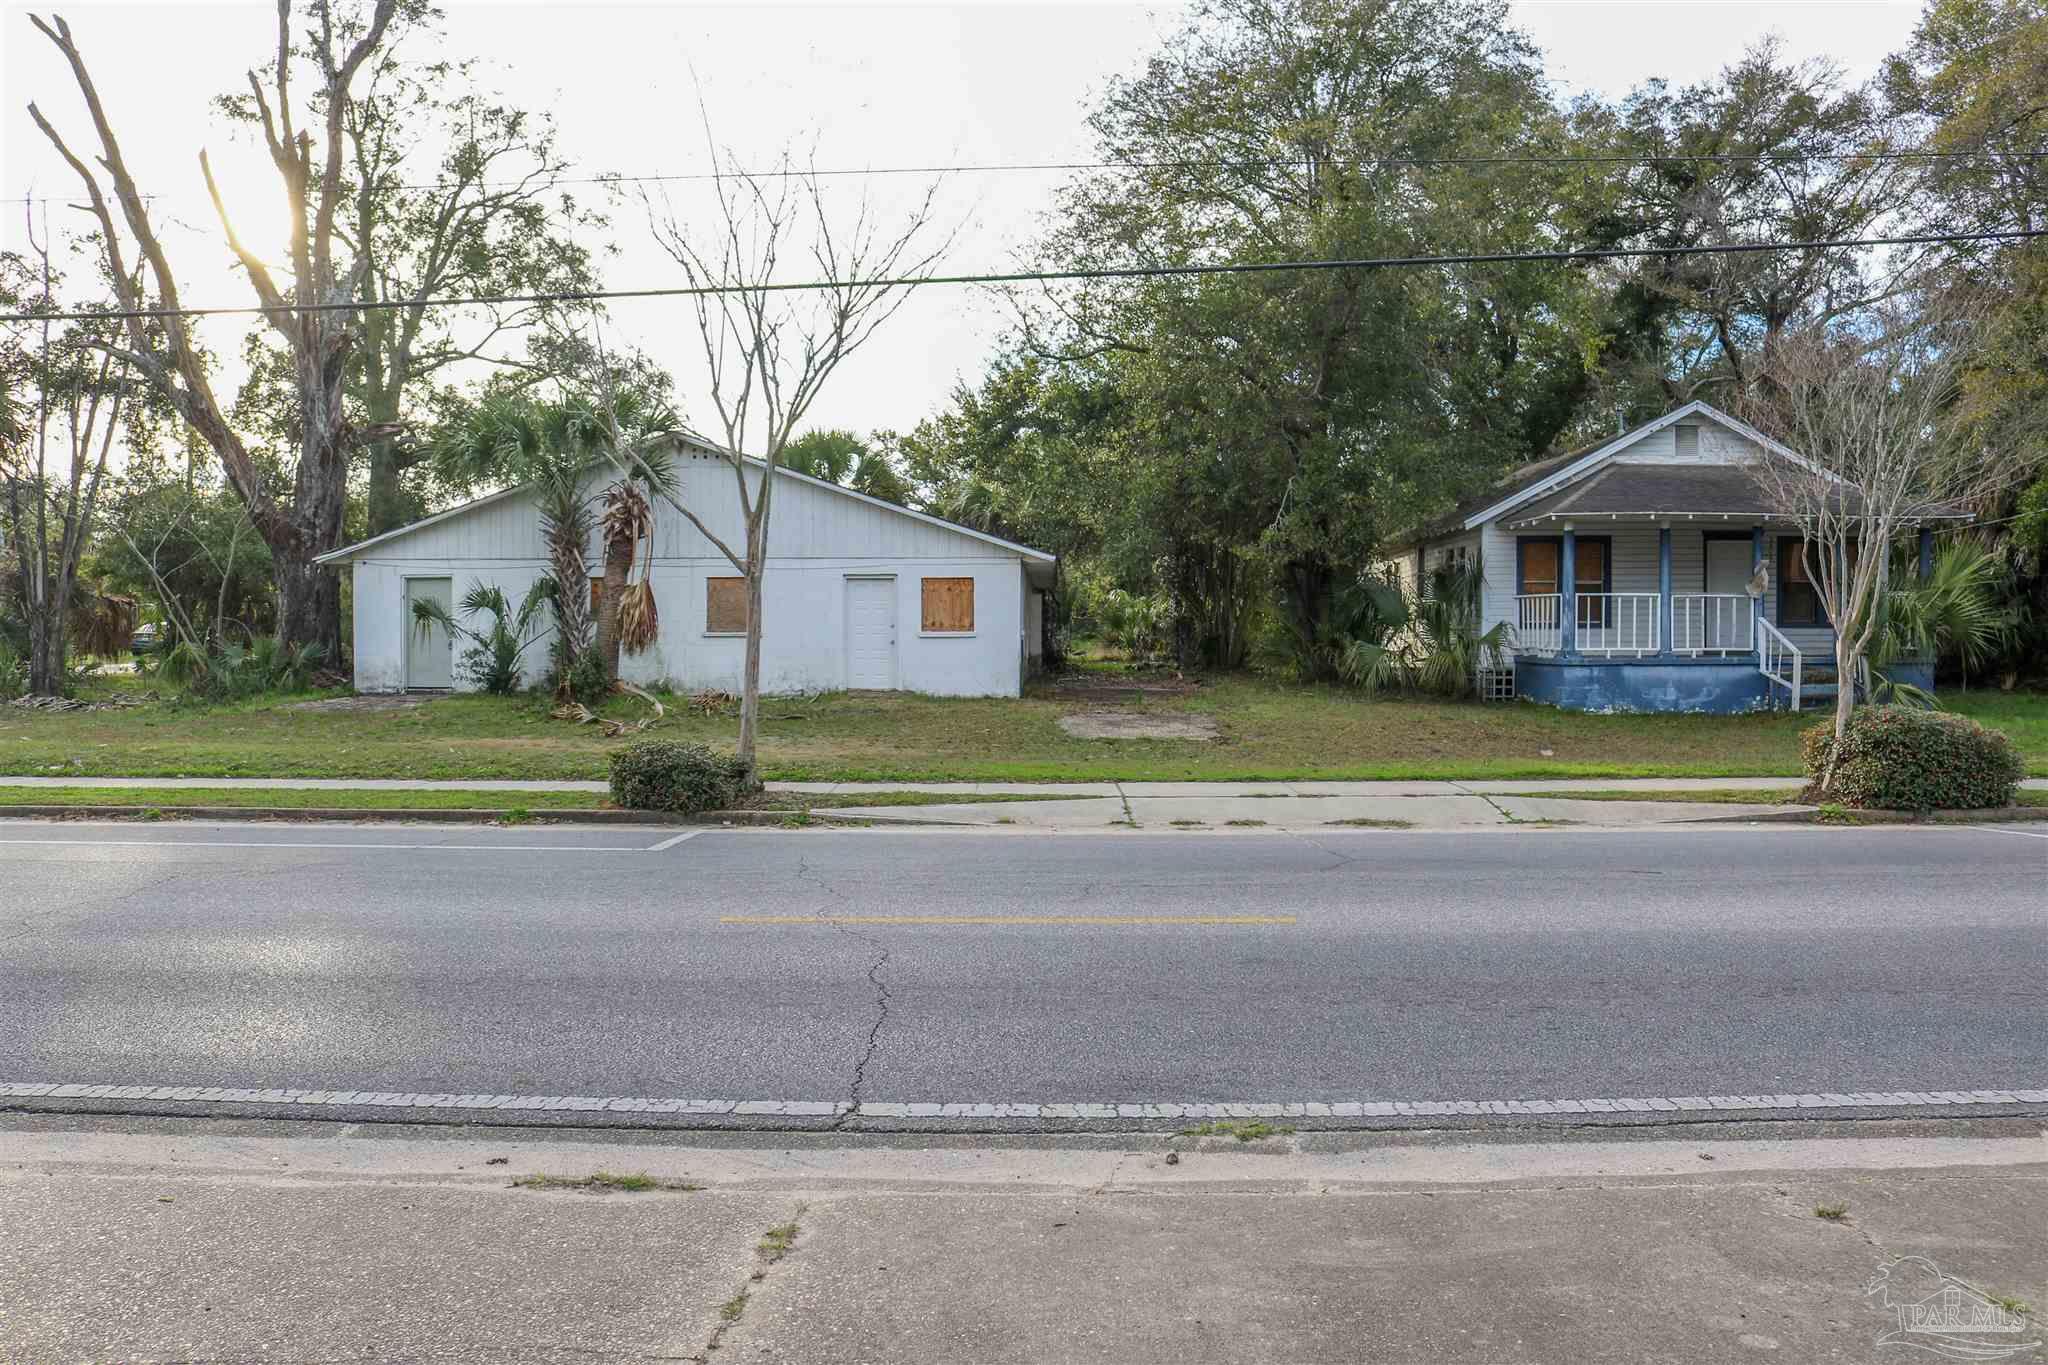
(163, 350)
(66, 398)
(769, 351)
(1882, 446)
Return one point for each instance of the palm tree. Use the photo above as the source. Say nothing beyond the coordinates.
(550, 446)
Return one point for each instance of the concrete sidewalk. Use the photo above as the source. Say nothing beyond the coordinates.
(285, 1242)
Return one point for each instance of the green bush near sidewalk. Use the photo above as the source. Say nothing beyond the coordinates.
(1905, 758)
(660, 774)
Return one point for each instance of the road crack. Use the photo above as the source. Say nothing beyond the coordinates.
(857, 1085)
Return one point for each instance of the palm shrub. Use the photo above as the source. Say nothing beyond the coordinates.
(1906, 758)
(492, 660)
(1374, 648)
(1957, 612)
(553, 446)
(1451, 646)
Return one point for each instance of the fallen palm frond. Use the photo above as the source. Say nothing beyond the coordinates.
(577, 712)
(711, 701)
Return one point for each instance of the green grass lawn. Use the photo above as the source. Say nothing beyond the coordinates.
(1267, 730)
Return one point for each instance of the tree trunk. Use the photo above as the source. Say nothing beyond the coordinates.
(618, 562)
(309, 605)
(1846, 656)
(750, 679)
(384, 497)
(45, 653)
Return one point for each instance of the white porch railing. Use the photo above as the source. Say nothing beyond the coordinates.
(1616, 623)
(1538, 618)
(1778, 659)
(1712, 623)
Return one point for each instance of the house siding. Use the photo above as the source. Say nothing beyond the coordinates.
(817, 539)
(1635, 553)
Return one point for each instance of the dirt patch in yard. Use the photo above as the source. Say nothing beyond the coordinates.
(1139, 725)
(1095, 687)
(380, 701)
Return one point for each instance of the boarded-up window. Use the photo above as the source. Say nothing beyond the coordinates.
(725, 606)
(948, 605)
(1798, 599)
(1539, 566)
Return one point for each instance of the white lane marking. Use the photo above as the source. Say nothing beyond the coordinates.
(227, 843)
(382, 1099)
(673, 840)
(1998, 829)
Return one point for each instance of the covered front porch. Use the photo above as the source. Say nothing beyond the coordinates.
(1699, 612)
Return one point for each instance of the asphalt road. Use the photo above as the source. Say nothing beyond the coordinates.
(590, 962)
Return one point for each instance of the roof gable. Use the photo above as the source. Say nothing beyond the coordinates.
(1570, 469)
(700, 449)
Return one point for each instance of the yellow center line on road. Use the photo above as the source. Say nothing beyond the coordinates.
(1006, 919)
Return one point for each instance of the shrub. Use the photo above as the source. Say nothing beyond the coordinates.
(589, 681)
(1904, 758)
(661, 774)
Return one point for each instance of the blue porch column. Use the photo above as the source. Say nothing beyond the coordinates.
(1568, 593)
(1756, 604)
(1926, 553)
(1665, 642)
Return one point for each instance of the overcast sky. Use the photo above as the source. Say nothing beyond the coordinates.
(875, 85)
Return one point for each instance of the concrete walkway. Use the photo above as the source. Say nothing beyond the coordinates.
(294, 1242)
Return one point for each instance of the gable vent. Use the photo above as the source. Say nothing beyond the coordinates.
(1687, 438)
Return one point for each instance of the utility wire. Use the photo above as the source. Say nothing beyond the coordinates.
(995, 168)
(1038, 277)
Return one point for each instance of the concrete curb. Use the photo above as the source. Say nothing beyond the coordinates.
(1812, 815)
(396, 815)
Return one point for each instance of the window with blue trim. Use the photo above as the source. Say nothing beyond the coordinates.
(1798, 597)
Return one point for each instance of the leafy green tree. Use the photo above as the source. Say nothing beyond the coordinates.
(62, 398)
(173, 534)
(1770, 150)
(1973, 85)
(1034, 455)
(321, 54)
(1284, 423)
(447, 190)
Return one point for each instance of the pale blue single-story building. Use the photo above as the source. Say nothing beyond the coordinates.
(1649, 572)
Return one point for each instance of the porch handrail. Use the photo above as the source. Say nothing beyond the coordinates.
(1712, 622)
(1778, 659)
(1539, 618)
(1616, 622)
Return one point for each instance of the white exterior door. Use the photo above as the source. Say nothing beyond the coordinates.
(1728, 570)
(871, 633)
(429, 652)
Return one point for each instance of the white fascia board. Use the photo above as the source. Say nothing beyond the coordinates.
(703, 447)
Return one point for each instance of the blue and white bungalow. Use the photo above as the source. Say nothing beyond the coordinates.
(1649, 573)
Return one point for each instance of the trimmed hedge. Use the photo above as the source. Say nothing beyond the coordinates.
(662, 774)
(1904, 758)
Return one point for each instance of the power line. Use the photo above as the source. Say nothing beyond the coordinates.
(1033, 167)
(1041, 276)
